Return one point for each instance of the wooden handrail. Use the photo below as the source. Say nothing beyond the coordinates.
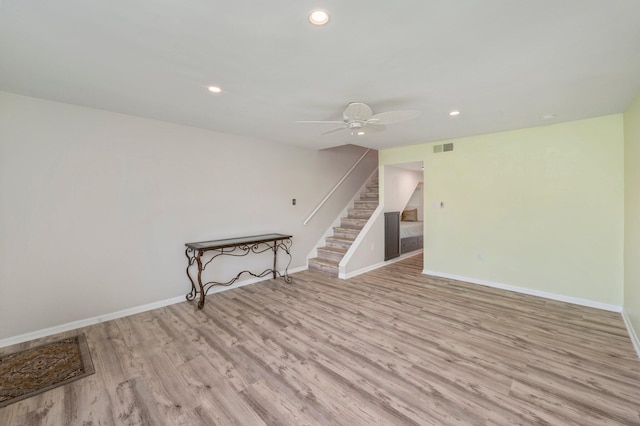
(324, 200)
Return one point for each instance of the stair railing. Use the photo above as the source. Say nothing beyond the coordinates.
(324, 200)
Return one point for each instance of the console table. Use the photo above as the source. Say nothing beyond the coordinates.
(204, 252)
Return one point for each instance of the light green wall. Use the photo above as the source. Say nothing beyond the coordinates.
(538, 208)
(632, 214)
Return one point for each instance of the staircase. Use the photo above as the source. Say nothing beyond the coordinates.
(336, 247)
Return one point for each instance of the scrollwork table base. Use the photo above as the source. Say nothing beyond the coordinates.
(203, 253)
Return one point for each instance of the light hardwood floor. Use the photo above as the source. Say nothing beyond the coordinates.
(388, 347)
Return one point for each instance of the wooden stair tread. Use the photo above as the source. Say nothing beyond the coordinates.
(340, 239)
(333, 249)
(327, 262)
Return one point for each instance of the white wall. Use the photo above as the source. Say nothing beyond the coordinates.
(417, 201)
(95, 207)
(399, 185)
(540, 209)
(367, 252)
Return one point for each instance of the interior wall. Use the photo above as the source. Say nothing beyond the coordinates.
(417, 200)
(370, 251)
(95, 207)
(538, 208)
(632, 216)
(399, 186)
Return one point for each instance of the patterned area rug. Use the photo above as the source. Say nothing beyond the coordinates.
(27, 373)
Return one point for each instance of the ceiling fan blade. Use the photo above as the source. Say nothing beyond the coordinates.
(392, 117)
(321, 122)
(335, 130)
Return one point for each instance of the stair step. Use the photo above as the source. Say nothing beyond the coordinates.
(360, 213)
(326, 266)
(337, 242)
(368, 197)
(352, 222)
(331, 253)
(359, 204)
(347, 233)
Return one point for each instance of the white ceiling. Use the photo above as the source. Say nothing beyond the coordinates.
(502, 63)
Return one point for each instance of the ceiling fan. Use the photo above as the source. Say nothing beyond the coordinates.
(359, 116)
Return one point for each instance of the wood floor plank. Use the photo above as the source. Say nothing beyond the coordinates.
(549, 402)
(389, 347)
(135, 404)
(219, 403)
(88, 403)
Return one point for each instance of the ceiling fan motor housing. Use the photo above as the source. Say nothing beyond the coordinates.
(357, 111)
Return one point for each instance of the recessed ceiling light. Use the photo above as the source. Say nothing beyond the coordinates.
(214, 89)
(454, 113)
(318, 17)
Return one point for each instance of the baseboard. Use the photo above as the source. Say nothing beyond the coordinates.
(123, 313)
(361, 271)
(88, 321)
(544, 294)
(378, 265)
(635, 340)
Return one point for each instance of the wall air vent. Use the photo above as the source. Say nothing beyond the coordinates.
(447, 147)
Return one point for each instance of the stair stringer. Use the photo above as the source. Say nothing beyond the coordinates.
(344, 213)
(342, 266)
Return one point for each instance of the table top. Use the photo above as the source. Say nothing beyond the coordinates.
(232, 242)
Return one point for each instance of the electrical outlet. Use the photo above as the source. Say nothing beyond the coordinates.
(293, 202)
